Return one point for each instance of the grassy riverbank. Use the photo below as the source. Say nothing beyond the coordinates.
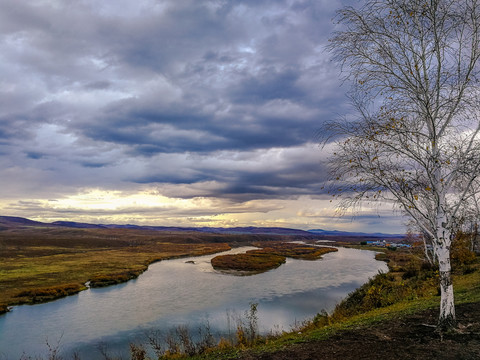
(392, 316)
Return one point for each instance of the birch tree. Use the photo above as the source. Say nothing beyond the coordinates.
(414, 66)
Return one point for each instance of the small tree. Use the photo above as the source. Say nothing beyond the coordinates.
(415, 73)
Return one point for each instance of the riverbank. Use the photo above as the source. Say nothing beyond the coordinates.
(403, 329)
(31, 278)
(394, 336)
(393, 315)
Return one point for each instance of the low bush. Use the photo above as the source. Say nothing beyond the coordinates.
(389, 288)
(113, 279)
(38, 295)
(461, 252)
(3, 309)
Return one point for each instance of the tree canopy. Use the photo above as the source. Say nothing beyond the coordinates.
(414, 69)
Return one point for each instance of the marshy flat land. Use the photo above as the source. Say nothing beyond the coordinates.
(42, 263)
(46, 263)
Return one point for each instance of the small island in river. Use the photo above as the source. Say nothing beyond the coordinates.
(271, 256)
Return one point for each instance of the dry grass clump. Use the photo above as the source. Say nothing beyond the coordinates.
(38, 295)
(113, 279)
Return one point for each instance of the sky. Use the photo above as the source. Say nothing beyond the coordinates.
(171, 112)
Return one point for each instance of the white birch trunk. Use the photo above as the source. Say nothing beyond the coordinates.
(443, 242)
(447, 303)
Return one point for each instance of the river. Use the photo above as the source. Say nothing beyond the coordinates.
(175, 292)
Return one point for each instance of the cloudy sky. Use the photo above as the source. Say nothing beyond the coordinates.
(170, 112)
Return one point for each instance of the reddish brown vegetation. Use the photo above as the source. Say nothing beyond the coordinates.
(248, 262)
(45, 257)
(38, 295)
(113, 279)
(294, 250)
(269, 257)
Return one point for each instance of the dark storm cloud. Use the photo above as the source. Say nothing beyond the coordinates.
(104, 85)
(268, 85)
(34, 155)
(272, 174)
(92, 164)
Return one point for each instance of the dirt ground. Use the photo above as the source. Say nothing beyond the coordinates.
(406, 338)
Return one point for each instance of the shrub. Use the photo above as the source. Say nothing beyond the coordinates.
(3, 309)
(386, 289)
(461, 253)
(247, 328)
(50, 293)
(137, 352)
(321, 319)
(113, 279)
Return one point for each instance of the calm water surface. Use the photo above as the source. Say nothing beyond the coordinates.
(174, 292)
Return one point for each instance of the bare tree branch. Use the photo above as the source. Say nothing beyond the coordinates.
(414, 67)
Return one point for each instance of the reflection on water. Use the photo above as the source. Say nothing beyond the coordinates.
(177, 292)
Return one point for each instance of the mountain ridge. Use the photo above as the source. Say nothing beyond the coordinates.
(352, 233)
(13, 221)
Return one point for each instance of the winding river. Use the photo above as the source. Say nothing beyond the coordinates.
(176, 292)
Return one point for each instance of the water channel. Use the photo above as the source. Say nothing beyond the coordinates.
(179, 292)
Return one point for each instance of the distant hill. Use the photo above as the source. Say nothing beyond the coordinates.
(215, 230)
(12, 222)
(7, 222)
(77, 225)
(346, 233)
